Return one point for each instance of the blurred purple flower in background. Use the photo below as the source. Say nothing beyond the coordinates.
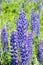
(14, 46)
(26, 50)
(4, 38)
(40, 51)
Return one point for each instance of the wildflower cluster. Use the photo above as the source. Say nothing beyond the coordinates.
(21, 42)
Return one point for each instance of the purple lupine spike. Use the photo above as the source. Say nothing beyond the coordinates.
(14, 46)
(22, 21)
(21, 26)
(35, 22)
(26, 50)
(4, 38)
(40, 51)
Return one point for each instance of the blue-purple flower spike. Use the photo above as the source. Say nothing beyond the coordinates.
(35, 22)
(26, 50)
(40, 51)
(22, 26)
(14, 46)
(4, 38)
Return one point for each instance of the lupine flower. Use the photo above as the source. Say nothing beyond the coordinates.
(24, 53)
(14, 46)
(26, 50)
(35, 22)
(4, 38)
(40, 51)
(21, 26)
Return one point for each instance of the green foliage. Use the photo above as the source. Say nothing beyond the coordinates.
(6, 58)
